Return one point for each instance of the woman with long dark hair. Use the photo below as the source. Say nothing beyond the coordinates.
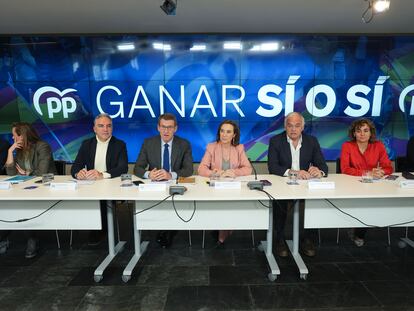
(28, 155)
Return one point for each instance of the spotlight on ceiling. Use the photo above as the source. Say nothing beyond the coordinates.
(374, 7)
(125, 47)
(169, 7)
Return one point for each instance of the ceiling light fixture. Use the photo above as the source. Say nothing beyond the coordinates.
(161, 46)
(232, 45)
(126, 47)
(198, 47)
(374, 7)
(169, 6)
(265, 47)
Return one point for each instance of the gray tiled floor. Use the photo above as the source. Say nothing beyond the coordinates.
(342, 277)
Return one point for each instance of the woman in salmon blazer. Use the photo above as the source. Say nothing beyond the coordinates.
(225, 158)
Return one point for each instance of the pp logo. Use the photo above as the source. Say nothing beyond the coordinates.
(56, 101)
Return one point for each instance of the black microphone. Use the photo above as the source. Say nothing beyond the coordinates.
(254, 169)
(256, 184)
(177, 189)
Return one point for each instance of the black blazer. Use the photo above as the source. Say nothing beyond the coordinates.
(150, 156)
(116, 157)
(280, 157)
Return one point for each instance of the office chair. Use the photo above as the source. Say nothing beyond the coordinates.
(400, 164)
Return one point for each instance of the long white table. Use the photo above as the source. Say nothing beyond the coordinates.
(74, 210)
(382, 203)
(236, 209)
(79, 209)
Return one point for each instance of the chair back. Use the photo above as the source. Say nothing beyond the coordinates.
(338, 165)
(400, 164)
(60, 167)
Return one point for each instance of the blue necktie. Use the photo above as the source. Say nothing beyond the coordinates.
(166, 159)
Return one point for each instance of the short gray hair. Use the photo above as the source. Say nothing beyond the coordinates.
(102, 115)
(291, 114)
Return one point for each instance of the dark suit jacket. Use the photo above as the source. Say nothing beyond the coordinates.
(409, 163)
(4, 147)
(150, 157)
(280, 157)
(116, 157)
(40, 157)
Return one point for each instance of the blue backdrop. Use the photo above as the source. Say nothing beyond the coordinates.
(60, 83)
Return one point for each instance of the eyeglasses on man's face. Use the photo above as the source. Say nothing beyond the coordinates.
(291, 126)
(167, 128)
(101, 126)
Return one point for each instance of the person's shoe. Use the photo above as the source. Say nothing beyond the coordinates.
(163, 239)
(281, 248)
(170, 237)
(358, 241)
(220, 245)
(214, 235)
(4, 245)
(95, 237)
(32, 248)
(308, 248)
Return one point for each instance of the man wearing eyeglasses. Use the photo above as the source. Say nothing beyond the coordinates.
(102, 156)
(164, 157)
(294, 153)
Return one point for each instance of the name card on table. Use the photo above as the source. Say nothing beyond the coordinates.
(407, 183)
(4, 185)
(318, 184)
(63, 186)
(227, 184)
(152, 187)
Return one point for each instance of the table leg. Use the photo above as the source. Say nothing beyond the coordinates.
(266, 246)
(294, 245)
(139, 247)
(113, 249)
(406, 241)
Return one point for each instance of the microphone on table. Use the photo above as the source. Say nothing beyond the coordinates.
(176, 189)
(256, 184)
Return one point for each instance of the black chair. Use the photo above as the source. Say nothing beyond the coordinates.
(400, 163)
(338, 165)
(60, 167)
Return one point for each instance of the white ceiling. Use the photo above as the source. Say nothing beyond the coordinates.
(200, 16)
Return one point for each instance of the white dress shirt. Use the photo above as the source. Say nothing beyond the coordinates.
(295, 152)
(173, 174)
(100, 157)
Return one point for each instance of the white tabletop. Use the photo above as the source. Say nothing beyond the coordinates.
(110, 189)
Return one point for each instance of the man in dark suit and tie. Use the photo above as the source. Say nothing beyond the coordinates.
(164, 157)
(102, 156)
(297, 152)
